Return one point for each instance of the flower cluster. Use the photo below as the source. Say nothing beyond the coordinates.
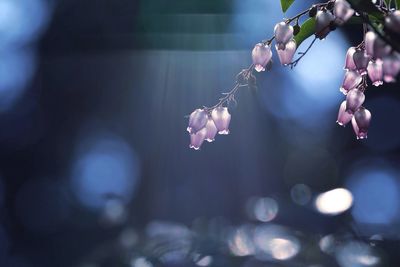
(204, 124)
(375, 58)
(372, 58)
(327, 16)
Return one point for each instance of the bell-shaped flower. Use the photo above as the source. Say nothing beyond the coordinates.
(349, 62)
(392, 21)
(361, 122)
(221, 118)
(351, 80)
(197, 139)
(361, 61)
(261, 55)
(375, 72)
(343, 117)
(211, 130)
(375, 47)
(283, 34)
(286, 55)
(197, 121)
(354, 99)
(391, 67)
(323, 22)
(342, 11)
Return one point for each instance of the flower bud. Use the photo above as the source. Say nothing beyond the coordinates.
(261, 55)
(283, 34)
(323, 21)
(211, 130)
(361, 122)
(375, 72)
(391, 67)
(354, 99)
(197, 139)
(197, 121)
(343, 116)
(286, 55)
(349, 62)
(221, 118)
(313, 11)
(375, 47)
(342, 11)
(392, 22)
(351, 80)
(361, 61)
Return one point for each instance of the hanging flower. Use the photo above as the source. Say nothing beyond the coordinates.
(361, 122)
(323, 22)
(351, 80)
(354, 99)
(286, 55)
(392, 22)
(343, 116)
(261, 55)
(211, 130)
(375, 47)
(283, 34)
(391, 67)
(375, 72)
(361, 61)
(197, 139)
(342, 11)
(349, 62)
(221, 118)
(197, 121)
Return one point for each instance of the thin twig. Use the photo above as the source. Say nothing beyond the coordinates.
(294, 63)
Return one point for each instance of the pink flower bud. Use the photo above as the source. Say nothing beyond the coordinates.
(342, 11)
(391, 67)
(392, 22)
(375, 47)
(323, 21)
(283, 34)
(261, 55)
(197, 121)
(221, 118)
(349, 62)
(375, 72)
(354, 99)
(351, 80)
(211, 130)
(361, 122)
(343, 116)
(197, 139)
(286, 55)
(361, 61)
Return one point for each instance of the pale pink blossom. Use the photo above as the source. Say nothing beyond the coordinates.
(221, 118)
(286, 55)
(343, 117)
(361, 122)
(283, 34)
(261, 55)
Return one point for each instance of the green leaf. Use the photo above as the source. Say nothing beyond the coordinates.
(285, 4)
(397, 4)
(387, 2)
(306, 30)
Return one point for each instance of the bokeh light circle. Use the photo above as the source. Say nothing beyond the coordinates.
(105, 167)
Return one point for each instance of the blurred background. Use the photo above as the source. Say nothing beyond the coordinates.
(95, 168)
